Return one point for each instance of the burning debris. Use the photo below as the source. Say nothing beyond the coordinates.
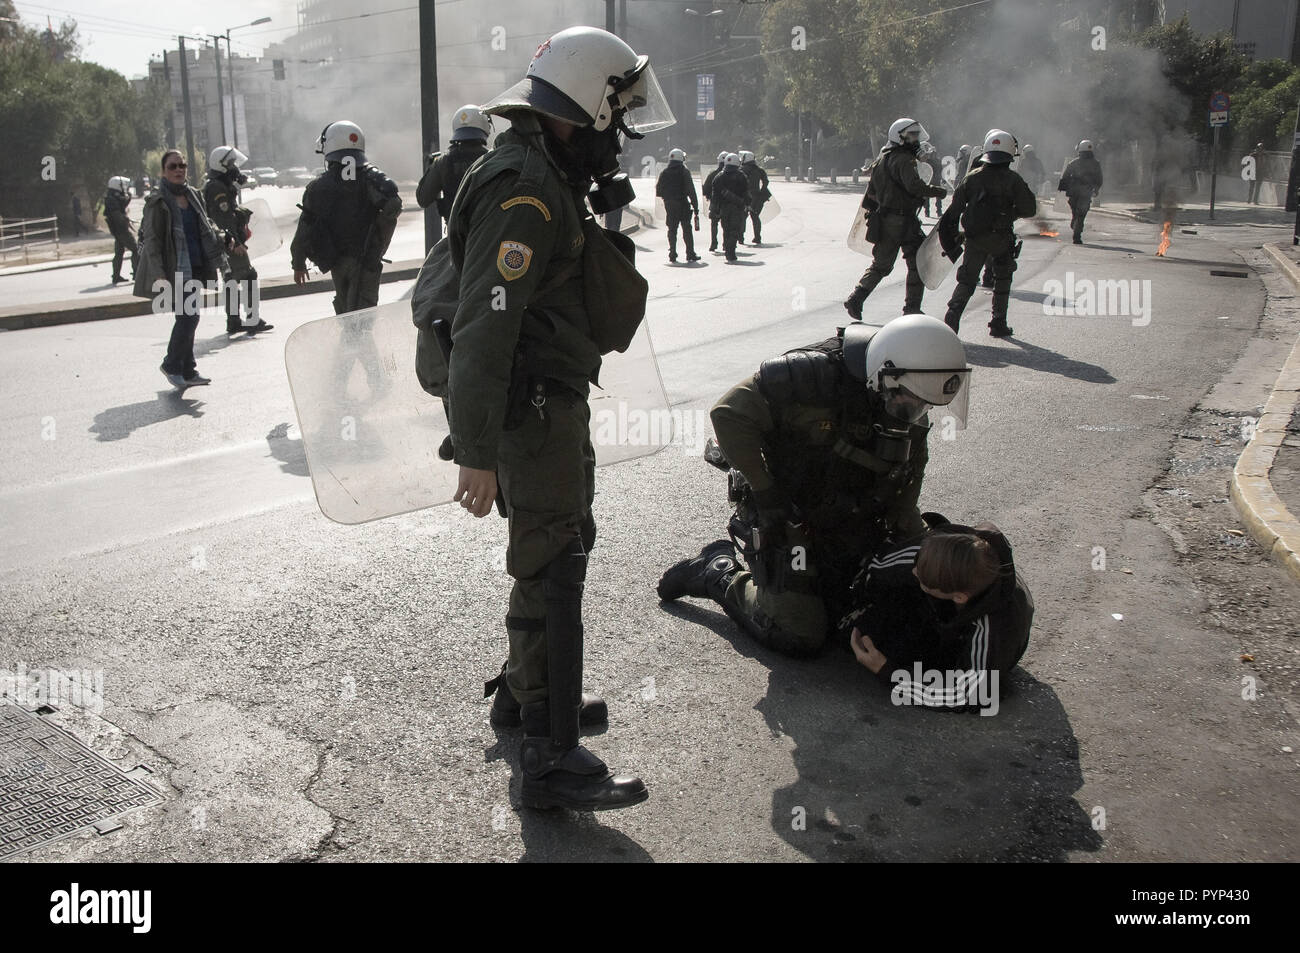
(1164, 239)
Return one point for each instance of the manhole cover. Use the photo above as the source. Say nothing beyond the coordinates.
(52, 786)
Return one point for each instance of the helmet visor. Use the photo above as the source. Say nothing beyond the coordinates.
(946, 390)
(647, 107)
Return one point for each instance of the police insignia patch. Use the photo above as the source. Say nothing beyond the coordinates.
(513, 259)
(528, 200)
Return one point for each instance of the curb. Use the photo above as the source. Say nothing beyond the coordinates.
(134, 307)
(1271, 524)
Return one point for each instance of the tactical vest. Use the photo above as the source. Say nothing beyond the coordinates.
(343, 212)
(827, 447)
(458, 158)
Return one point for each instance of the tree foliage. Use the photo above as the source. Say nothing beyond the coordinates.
(79, 123)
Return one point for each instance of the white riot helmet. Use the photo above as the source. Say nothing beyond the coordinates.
(746, 156)
(588, 77)
(676, 155)
(468, 122)
(722, 157)
(907, 131)
(1085, 145)
(1000, 147)
(914, 362)
(1027, 149)
(732, 159)
(927, 148)
(120, 183)
(964, 150)
(339, 138)
(225, 159)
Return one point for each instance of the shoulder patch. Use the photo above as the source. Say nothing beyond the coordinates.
(528, 200)
(513, 259)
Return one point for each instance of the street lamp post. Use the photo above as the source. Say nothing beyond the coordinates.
(702, 18)
(221, 98)
(234, 112)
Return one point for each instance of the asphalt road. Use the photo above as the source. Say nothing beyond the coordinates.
(304, 690)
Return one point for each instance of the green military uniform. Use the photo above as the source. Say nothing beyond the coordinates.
(516, 237)
(346, 225)
(715, 210)
(987, 203)
(221, 195)
(801, 431)
(115, 206)
(442, 178)
(730, 194)
(759, 193)
(1080, 182)
(893, 198)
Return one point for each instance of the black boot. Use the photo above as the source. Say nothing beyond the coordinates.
(705, 576)
(559, 772)
(998, 327)
(572, 777)
(853, 304)
(505, 709)
(953, 320)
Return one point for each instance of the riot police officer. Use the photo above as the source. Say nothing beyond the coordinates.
(706, 190)
(1081, 182)
(221, 196)
(519, 375)
(349, 214)
(438, 185)
(759, 193)
(892, 203)
(676, 187)
(1031, 168)
(116, 201)
(826, 447)
(987, 203)
(731, 197)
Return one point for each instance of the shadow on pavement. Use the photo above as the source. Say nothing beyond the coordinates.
(290, 453)
(879, 782)
(1036, 358)
(118, 423)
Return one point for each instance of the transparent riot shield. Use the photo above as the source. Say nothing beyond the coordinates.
(925, 171)
(857, 240)
(371, 433)
(930, 261)
(266, 236)
(771, 209)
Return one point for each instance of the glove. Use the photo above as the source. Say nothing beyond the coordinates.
(774, 509)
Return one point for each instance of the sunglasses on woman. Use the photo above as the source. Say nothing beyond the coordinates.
(176, 165)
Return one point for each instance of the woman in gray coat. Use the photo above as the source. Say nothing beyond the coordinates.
(180, 250)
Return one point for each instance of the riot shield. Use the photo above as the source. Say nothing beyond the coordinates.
(771, 209)
(371, 434)
(925, 171)
(266, 234)
(930, 261)
(857, 240)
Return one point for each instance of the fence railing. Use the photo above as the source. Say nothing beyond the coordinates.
(21, 236)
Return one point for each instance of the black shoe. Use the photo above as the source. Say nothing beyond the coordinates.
(195, 379)
(953, 322)
(687, 578)
(234, 326)
(756, 243)
(118, 279)
(1000, 331)
(672, 256)
(259, 327)
(575, 779)
(506, 710)
(732, 259)
(713, 248)
(1078, 240)
(853, 305)
(176, 380)
(692, 257)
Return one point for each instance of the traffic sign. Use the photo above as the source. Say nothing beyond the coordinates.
(1219, 102)
(1218, 118)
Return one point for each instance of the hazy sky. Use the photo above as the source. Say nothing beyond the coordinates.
(122, 36)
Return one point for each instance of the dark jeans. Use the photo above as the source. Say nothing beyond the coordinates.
(180, 348)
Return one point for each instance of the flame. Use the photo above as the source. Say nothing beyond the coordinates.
(1049, 234)
(1164, 240)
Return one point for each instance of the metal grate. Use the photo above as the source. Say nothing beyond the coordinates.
(53, 786)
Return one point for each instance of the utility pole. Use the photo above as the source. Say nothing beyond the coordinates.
(185, 100)
(221, 99)
(610, 25)
(429, 110)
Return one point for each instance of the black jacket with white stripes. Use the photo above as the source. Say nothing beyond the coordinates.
(974, 646)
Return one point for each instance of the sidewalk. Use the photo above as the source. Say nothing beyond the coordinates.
(1266, 480)
(1198, 214)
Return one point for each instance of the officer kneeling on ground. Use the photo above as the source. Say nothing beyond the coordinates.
(826, 449)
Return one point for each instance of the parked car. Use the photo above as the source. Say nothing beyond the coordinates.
(266, 175)
(298, 175)
(251, 181)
